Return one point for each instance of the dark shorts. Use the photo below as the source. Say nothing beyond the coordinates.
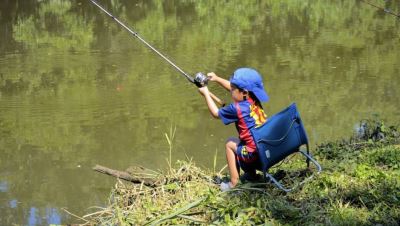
(248, 161)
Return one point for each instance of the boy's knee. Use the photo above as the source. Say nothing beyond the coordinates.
(232, 141)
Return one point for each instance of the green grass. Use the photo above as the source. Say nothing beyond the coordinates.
(359, 185)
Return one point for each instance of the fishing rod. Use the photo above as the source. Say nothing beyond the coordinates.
(381, 8)
(200, 79)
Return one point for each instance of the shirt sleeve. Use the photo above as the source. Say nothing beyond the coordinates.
(228, 114)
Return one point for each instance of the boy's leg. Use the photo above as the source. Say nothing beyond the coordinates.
(231, 147)
(248, 162)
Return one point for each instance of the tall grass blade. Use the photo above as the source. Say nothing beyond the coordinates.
(177, 212)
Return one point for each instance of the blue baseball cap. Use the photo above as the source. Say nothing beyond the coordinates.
(250, 80)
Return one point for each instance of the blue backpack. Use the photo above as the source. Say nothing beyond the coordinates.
(280, 136)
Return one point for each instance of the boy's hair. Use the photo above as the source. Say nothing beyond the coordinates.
(252, 96)
(256, 100)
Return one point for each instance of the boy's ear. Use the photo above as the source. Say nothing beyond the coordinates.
(245, 94)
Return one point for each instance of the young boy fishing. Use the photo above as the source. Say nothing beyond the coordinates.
(247, 91)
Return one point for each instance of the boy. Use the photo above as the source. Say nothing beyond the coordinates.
(246, 112)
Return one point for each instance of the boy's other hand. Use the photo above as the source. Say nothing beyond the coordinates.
(204, 90)
(212, 76)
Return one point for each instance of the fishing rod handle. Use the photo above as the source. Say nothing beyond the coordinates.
(216, 99)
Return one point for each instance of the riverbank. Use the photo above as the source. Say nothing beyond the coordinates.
(359, 185)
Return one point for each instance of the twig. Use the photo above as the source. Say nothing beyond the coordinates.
(95, 213)
(86, 221)
(97, 207)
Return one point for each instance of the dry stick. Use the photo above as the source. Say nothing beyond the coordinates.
(125, 176)
(97, 207)
(101, 212)
(86, 221)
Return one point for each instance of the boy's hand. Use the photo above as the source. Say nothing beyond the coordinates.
(212, 76)
(209, 100)
(223, 82)
(204, 90)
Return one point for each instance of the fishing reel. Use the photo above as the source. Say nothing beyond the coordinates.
(200, 79)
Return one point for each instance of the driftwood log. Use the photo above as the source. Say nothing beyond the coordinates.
(126, 176)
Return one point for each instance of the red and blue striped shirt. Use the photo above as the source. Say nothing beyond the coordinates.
(246, 115)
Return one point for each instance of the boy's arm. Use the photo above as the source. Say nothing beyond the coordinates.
(223, 82)
(212, 107)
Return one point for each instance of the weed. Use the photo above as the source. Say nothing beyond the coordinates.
(360, 186)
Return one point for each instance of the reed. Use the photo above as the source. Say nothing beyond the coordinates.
(170, 139)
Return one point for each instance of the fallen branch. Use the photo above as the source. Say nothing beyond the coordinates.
(126, 176)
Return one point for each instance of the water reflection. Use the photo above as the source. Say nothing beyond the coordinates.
(34, 218)
(77, 90)
(52, 216)
(3, 186)
(13, 203)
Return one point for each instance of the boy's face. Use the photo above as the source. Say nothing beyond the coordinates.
(237, 94)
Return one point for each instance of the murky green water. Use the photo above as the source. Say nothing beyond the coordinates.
(76, 90)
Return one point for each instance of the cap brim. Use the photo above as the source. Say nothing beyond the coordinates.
(261, 95)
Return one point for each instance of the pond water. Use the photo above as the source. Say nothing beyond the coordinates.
(77, 90)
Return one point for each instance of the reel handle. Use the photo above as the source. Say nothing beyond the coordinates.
(201, 80)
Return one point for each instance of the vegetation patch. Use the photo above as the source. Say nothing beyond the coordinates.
(359, 185)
